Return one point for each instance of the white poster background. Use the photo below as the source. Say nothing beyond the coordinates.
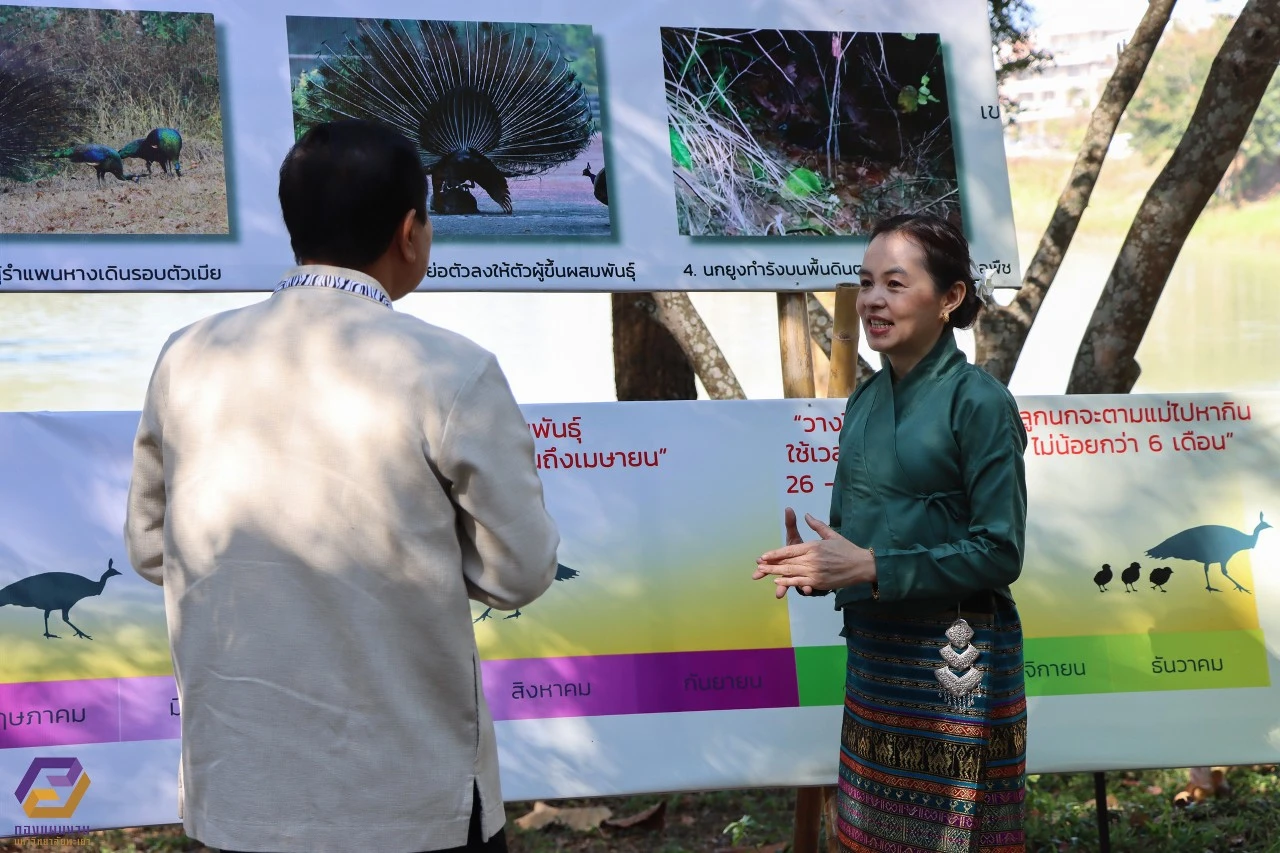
(258, 130)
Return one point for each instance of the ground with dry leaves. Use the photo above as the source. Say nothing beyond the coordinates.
(1061, 818)
(72, 202)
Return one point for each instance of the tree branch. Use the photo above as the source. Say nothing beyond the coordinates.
(1002, 332)
(1237, 80)
(675, 311)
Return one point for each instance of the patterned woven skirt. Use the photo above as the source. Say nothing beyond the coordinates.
(917, 773)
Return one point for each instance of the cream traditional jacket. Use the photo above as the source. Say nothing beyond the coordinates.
(320, 484)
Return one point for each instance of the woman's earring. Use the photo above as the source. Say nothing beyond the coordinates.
(946, 317)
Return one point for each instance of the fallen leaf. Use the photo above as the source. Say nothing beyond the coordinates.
(653, 818)
(541, 816)
(584, 819)
(688, 820)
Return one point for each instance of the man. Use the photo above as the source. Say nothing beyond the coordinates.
(320, 484)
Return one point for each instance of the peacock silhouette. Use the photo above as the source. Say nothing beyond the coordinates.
(52, 591)
(105, 160)
(37, 111)
(483, 101)
(599, 184)
(162, 145)
(1209, 544)
(563, 573)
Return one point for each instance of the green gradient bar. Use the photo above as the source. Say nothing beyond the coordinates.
(1064, 666)
(1139, 663)
(820, 673)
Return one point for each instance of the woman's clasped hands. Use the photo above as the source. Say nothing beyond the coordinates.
(829, 562)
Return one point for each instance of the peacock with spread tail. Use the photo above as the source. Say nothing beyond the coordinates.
(162, 145)
(104, 159)
(36, 111)
(483, 101)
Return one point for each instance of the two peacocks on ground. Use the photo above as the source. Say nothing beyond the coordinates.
(105, 160)
(36, 111)
(162, 145)
(484, 102)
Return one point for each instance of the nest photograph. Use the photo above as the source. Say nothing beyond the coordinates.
(110, 123)
(806, 133)
(505, 116)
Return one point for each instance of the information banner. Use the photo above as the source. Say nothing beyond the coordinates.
(570, 145)
(1149, 599)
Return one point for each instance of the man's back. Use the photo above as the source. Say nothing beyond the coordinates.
(336, 481)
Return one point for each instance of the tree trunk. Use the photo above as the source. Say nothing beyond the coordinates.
(648, 364)
(1237, 79)
(675, 311)
(1002, 332)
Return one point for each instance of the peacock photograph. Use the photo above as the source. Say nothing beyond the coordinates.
(783, 133)
(110, 123)
(505, 116)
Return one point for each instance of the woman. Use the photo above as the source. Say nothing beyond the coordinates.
(928, 514)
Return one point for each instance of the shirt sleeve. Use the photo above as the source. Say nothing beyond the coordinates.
(991, 440)
(508, 539)
(145, 511)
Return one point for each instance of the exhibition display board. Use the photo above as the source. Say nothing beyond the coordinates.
(655, 663)
(570, 145)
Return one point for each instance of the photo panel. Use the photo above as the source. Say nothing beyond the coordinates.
(110, 123)
(505, 116)
(806, 133)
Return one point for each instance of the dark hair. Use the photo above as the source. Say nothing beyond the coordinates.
(345, 187)
(946, 258)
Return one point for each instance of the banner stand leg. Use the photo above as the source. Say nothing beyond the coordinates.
(798, 382)
(1104, 817)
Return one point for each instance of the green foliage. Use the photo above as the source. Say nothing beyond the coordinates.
(802, 182)
(1161, 109)
(578, 43)
(1011, 22)
(1062, 816)
(679, 151)
(912, 98)
(739, 829)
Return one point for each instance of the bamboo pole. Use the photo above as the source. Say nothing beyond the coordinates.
(844, 343)
(797, 381)
(793, 335)
(841, 380)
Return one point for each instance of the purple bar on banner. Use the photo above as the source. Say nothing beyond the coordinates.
(149, 708)
(57, 713)
(536, 688)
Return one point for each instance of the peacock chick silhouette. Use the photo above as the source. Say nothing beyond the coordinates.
(1130, 576)
(1209, 544)
(483, 101)
(1103, 577)
(1159, 577)
(563, 573)
(52, 591)
(162, 145)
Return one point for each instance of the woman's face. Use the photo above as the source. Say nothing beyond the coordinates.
(900, 309)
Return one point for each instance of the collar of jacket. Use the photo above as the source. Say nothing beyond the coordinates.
(340, 272)
(939, 361)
